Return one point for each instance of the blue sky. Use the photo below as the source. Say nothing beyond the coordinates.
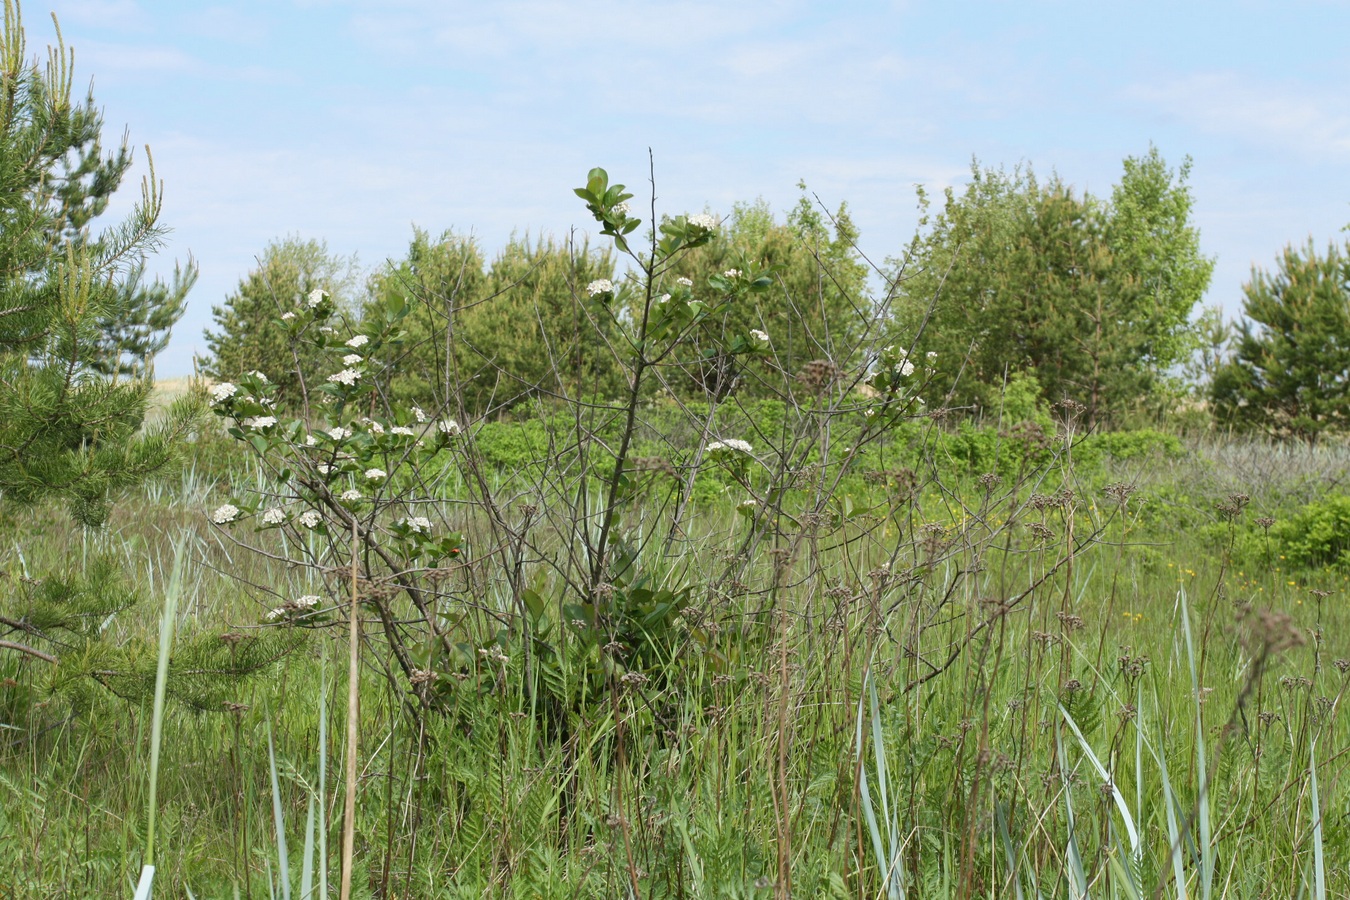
(354, 121)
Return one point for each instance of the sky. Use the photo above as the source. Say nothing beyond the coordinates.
(354, 122)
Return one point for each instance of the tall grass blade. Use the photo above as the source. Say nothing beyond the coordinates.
(1202, 802)
(323, 775)
(1106, 778)
(1014, 871)
(1319, 863)
(1077, 876)
(166, 626)
(888, 852)
(307, 863)
(283, 861)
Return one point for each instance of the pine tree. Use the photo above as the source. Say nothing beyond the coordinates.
(1289, 372)
(71, 421)
(254, 336)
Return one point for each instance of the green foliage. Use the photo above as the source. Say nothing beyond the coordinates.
(812, 305)
(1318, 534)
(254, 336)
(525, 328)
(1289, 372)
(1093, 297)
(66, 429)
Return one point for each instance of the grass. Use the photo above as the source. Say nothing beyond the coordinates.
(935, 700)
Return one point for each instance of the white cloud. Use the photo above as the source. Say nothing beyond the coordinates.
(1309, 122)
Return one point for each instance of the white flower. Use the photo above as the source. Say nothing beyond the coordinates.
(401, 429)
(870, 413)
(260, 376)
(324, 469)
(729, 444)
(663, 298)
(307, 601)
(274, 516)
(600, 286)
(376, 474)
(227, 513)
(418, 524)
(326, 329)
(310, 519)
(351, 495)
(261, 422)
(311, 440)
(376, 428)
(316, 297)
(277, 613)
(749, 504)
(687, 282)
(931, 355)
(448, 426)
(339, 433)
(703, 220)
(760, 336)
(418, 414)
(351, 359)
(904, 368)
(346, 376)
(223, 392)
(620, 208)
(732, 273)
(287, 316)
(359, 341)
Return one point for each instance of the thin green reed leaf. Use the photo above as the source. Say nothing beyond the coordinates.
(166, 628)
(1202, 803)
(283, 862)
(1319, 863)
(1173, 832)
(1106, 778)
(1077, 877)
(307, 864)
(323, 773)
(1014, 871)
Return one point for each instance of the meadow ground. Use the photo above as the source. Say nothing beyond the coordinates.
(1115, 672)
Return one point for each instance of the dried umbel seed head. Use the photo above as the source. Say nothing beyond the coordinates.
(603, 590)
(1120, 491)
(1265, 522)
(1040, 533)
(1269, 718)
(1127, 713)
(1319, 594)
(990, 480)
(634, 679)
(529, 510)
(422, 676)
(1232, 507)
(1073, 686)
(1342, 665)
(1071, 408)
(1069, 622)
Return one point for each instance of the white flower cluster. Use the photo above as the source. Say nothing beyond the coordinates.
(224, 514)
(686, 282)
(376, 474)
(376, 428)
(351, 495)
(260, 422)
(418, 524)
(761, 336)
(310, 519)
(621, 209)
(260, 376)
(448, 426)
(600, 286)
(287, 316)
(348, 377)
(339, 433)
(316, 297)
(309, 601)
(222, 392)
(274, 516)
(420, 416)
(351, 359)
(703, 220)
(402, 429)
(732, 273)
(358, 342)
(736, 444)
